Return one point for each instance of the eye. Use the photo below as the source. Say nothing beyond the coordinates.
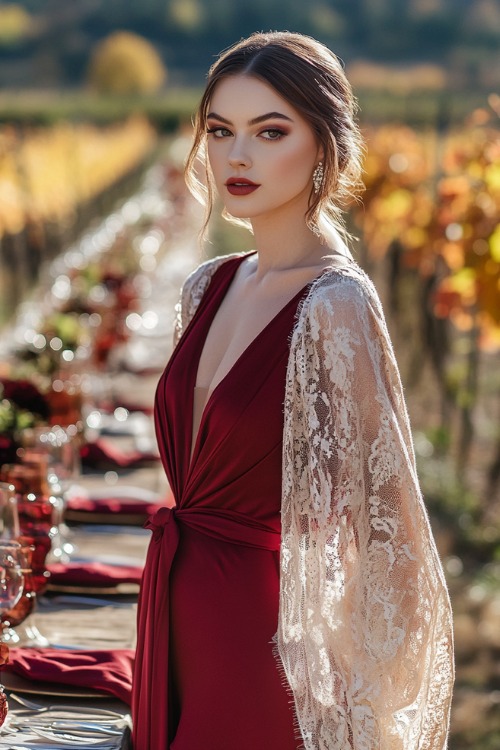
(273, 134)
(219, 132)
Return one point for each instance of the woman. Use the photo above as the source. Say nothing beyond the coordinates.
(301, 533)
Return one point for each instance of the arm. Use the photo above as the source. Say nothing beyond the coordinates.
(365, 623)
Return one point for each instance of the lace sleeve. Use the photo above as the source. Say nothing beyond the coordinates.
(192, 293)
(365, 633)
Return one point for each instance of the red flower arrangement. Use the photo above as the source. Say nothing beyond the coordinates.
(21, 406)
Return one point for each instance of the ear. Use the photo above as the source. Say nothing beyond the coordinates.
(320, 154)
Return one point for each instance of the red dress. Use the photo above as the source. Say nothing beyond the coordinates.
(206, 677)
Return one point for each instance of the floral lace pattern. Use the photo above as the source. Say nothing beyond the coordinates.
(365, 632)
(193, 290)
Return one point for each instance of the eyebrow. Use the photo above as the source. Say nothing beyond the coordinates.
(254, 121)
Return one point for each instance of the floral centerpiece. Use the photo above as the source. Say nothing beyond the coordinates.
(55, 344)
(21, 406)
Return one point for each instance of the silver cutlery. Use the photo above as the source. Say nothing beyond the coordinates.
(87, 602)
(66, 738)
(58, 708)
(56, 743)
(73, 727)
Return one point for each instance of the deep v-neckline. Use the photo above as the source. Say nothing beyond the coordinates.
(212, 395)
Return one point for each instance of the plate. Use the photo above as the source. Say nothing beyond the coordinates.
(116, 561)
(17, 684)
(119, 491)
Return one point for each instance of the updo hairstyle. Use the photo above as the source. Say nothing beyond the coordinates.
(311, 79)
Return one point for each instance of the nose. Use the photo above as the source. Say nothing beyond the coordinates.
(238, 155)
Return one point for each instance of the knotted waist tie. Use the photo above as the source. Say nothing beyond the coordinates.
(226, 526)
(150, 689)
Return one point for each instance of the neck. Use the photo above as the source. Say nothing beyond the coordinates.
(282, 246)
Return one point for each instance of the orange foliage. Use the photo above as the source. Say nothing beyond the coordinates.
(439, 199)
(47, 172)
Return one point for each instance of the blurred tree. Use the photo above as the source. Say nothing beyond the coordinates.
(188, 15)
(15, 23)
(126, 63)
(461, 36)
(326, 21)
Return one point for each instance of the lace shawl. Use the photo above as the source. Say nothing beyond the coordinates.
(365, 629)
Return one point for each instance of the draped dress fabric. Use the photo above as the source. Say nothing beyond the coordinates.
(205, 675)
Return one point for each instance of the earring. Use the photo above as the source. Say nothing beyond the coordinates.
(318, 177)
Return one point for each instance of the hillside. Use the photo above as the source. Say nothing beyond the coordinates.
(53, 49)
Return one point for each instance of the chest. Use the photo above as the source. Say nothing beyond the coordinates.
(238, 323)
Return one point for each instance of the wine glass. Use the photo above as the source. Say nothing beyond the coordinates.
(9, 519)
(60, 449)
(64, 465)
(64, 469)
(11, 589)
(35, 509)
(11, 577)
(22, 612)
(20, 628)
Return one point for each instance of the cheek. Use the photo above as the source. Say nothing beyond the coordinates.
(211, 158)
(296, 164)
(215, 157)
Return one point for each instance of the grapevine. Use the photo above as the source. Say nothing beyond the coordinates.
(431, 212)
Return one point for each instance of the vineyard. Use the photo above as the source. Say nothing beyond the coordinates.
(429, 230)
(429, 235)
(48, 176)
(430, 224)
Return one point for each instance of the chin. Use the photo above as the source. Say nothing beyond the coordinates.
(236, 215)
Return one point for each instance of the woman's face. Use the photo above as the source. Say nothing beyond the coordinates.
(262, 152)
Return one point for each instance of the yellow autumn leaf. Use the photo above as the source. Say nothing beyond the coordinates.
(492, 176)
(415, 237)
(463, 282)
(475, 170)
(494, 243)
(396, 205)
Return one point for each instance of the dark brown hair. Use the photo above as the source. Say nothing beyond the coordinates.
(311, 79)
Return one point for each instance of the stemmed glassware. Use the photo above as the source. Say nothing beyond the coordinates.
(11, 589)
(9, 518)
(60, 449)
(64, 464)
(32, 537)
(11, 577)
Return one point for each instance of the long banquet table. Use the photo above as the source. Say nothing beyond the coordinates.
(76, 617)
(158, 222)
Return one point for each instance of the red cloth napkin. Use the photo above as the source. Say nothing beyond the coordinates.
(93, 574)
(107, 671)
(114, 505)
(103, 453)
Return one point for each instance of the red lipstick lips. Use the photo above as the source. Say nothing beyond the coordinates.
(240, 186)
